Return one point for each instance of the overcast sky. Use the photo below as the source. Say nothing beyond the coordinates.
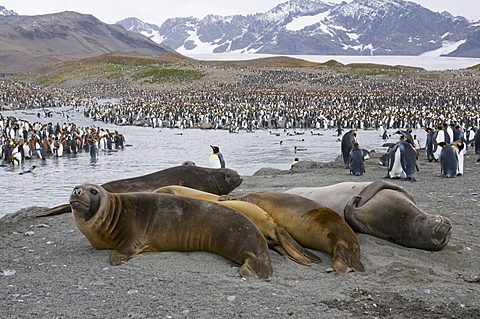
(157, 11)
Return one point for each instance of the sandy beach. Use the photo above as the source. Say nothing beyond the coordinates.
(49, 270)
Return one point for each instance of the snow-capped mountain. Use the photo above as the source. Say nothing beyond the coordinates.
(149, 30)
(362, 27)
(5, 12)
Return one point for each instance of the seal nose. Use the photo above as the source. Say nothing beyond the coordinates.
(77, 191)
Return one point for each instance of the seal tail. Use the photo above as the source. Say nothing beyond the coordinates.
(345, 260)
(62, 209)
(293, 250)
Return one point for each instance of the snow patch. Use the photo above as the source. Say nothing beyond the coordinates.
(447, 47)
(200, 47)
(153, 35)
(299, 23)
(360, 47)
(353, 36)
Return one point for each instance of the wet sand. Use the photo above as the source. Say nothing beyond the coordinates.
(51, 271)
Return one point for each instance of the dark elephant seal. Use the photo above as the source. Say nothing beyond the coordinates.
(312, 225)
(384, 210)
(220, 181)
(131, 223)
(277, 237)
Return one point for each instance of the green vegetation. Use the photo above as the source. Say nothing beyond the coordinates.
(157, 74)
(116, 72)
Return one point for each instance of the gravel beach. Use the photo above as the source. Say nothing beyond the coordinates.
(49, 270)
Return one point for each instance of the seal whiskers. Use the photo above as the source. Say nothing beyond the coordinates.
(131, 223)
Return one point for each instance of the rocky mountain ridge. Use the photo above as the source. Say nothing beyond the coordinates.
(301, 27)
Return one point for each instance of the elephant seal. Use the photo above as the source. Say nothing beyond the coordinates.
(131, 223)
(219, 181)
(277, 237)
(384, 210)
(312, 225)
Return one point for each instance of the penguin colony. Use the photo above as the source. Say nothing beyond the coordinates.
(21, 140)
(274, 98)
(444, 144)
(258, 101)
(270, 98)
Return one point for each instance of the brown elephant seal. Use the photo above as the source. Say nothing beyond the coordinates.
(220, 181)
(131, 223)
(384, 210)
(277, 237)
(312, 225)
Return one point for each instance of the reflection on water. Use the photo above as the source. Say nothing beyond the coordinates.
(155, 149)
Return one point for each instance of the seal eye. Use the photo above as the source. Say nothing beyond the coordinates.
(229, 175)
(93, 192)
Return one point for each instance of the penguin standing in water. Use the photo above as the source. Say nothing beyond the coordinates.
(357, 160)
(448, 160)
(347, 143)
(93, 148)
(216, 159)
(385, 135)
(402, 160)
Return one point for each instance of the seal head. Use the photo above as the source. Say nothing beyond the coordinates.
(131, 223)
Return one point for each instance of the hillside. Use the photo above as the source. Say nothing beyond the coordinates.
(31, 42)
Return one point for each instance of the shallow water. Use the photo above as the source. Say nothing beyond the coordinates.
(428, 62)
(156, 149)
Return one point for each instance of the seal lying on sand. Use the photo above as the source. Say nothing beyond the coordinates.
(312, 225)
(384, 210)
(277, 237)
(220, 181)
(131, 223)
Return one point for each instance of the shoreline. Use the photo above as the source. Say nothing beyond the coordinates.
(54, 272)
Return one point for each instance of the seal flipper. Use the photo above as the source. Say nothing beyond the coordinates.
(345, 260)
(294, 250)
(125, 251)
(371, 190)
(256, 267)
(226, 197)
(62, 209)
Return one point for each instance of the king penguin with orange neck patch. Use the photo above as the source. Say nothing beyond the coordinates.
(216, 159)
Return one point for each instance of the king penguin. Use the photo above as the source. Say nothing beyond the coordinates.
(357, 160)
(347, 143)
(448, 160)
(30, 170)
(429, 144)
(476, 143)
(216, 159)
(461, 149)
(402, 160)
